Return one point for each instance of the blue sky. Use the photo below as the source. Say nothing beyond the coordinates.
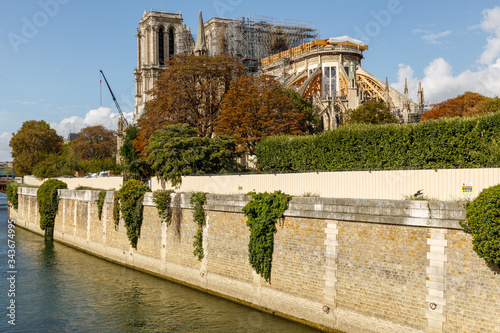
(51, 50)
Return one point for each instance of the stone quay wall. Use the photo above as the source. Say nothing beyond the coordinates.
(338, 264)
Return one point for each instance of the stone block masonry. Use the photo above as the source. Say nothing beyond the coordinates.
(350, 265)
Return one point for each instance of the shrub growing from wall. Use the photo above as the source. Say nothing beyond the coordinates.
(48, 204)
(444, 143)
(100, 203)
(262, 213)
(12, 196)
(483, 223)
(163, 200)
(197, 200)
(131, 197)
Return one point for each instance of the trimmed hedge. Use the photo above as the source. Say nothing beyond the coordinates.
(483, 223)
(444, 143)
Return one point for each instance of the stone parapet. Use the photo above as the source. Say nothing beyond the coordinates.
(352, 265)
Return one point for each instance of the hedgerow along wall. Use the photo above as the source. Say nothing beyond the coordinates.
(348, 264)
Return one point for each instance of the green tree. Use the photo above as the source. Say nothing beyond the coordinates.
(312, 122)
(55, 165)
(94, 142)
(176, 151)
(32, 143)
(94, 165)
(370, 112)
(130, 159)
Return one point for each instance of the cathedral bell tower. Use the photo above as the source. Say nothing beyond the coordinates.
(159, 36)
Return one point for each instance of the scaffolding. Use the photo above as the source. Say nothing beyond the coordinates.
(185, 41)
(256, 37)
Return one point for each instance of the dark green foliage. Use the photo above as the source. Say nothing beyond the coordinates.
(197, 200)
(176, 150)
(443, 143)
(48, 204)
(100, 203)
(262, 212)
(12, 196)
(55, 165)
(483, 223)
(130, 160)
(95, 165)
(116, 210)
(312, 121)
(370, 112)
(131, 197)
(162, 200)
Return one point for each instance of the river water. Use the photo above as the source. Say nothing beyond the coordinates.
(60, 289)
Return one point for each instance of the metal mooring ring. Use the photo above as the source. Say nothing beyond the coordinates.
(433, 306)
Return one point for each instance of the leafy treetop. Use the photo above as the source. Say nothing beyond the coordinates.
(32, 143)
(466, 104)
(189, 91)
(176, 150)
(94, 142)
(370, 112)
(256, 107)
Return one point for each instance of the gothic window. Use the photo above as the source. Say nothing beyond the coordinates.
(171, 42)
(161, 46)
(330, 81)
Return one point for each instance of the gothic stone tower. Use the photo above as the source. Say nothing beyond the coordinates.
(159, 36)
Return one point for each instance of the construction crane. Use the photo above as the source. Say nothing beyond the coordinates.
(114, 99)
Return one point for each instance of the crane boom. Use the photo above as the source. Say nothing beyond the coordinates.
(114, 99)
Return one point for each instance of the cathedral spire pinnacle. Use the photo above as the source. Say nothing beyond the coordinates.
(406, 87)
(200, 49)
(387, 93)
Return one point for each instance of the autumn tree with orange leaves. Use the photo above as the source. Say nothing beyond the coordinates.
(256, 107)
(189, 91)
(461, 106)
(94, 142)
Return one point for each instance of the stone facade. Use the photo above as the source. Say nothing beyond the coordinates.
(338, 264)
(159, 36)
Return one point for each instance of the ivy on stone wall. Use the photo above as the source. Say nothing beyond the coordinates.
(116, 210)
(483, 223)
(48, 204)
(197, 201)
(100, 203)
(162, 200)
(131, 197)
(262, 213)
(12, 197)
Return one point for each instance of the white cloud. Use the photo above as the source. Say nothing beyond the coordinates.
(430, 36)
(406, 72)
(441, 83)
(491, 24)
(4, 147)
(101, 116)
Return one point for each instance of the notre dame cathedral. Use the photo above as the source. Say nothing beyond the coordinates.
(326, 71)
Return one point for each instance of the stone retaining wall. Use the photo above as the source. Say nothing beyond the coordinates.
(347, 264)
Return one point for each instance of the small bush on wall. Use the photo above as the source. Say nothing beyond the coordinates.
(162, 200)
(483, 223)
(100, 203)
(12, 197)
(48, 204)
(131, 197)
(197, 201)
(262, 212)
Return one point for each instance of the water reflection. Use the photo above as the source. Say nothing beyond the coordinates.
(64, 290)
